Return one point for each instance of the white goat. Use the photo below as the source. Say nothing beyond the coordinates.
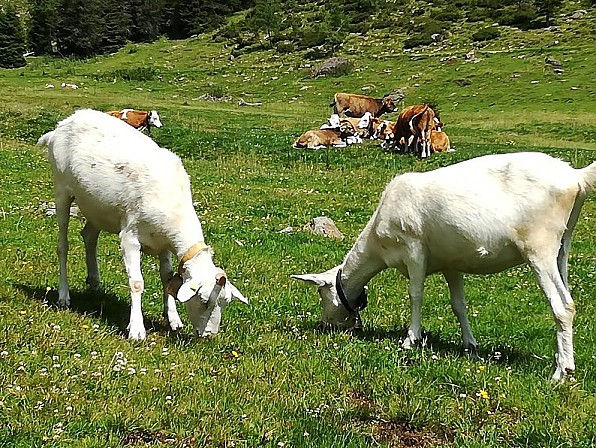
(124, 183)
(480, 216)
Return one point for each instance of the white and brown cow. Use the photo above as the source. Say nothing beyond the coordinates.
(138, 119)
(413, 127)
(336, 133)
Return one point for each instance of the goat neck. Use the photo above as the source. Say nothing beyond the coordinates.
(362, 263)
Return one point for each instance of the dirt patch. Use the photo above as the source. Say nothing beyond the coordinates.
(147, 437)
(405, 435)
(393, 433)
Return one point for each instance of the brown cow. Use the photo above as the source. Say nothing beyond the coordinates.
(138, 119)
(356, 106)
(439, 142)
(413, 126)
(324, 138)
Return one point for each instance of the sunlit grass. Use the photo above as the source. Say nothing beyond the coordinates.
(71, 378)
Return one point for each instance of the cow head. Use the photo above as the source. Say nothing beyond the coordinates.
(153, 119)
(388, 104)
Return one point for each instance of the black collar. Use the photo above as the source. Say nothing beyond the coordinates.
(362, 298)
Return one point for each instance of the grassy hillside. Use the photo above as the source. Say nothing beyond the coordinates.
(71, 378)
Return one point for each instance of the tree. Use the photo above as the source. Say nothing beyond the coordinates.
(12, 38)
(42, 26)
(145, 17)
(115, 25)
(548, 8)
(265, 17)
(79, 30)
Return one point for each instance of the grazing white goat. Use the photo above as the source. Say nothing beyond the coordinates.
(124, 183)
(480, 216)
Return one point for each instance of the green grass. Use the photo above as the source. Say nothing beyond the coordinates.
(71, 378)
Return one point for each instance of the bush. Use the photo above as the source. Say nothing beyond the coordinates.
(285, 46)
(520, 16)
(485, 34)
(312, 37)
(479, 14)
(129, 74)
(417, 40)
(447, 14)
(320, 52)
(428, 27)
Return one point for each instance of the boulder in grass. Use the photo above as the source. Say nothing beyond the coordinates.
(324, 226)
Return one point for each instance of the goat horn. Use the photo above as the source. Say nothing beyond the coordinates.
(220, 279)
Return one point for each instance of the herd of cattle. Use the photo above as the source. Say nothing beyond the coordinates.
(356, 117)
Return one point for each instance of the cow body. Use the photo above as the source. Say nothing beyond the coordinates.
(322, 138)
(439, 142)
(138, 119)
(412, 129)
(356, 106)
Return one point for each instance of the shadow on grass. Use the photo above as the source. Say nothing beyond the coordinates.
(106, 306)
(497, 354)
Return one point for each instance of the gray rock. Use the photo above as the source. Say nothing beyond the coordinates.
(323, 226)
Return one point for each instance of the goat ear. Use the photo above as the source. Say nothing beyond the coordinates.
(315, 279)
(186, 292)
(237, 294)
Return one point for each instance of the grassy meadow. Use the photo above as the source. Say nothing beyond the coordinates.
(69, 377)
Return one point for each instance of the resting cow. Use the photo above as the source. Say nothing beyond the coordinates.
(439, 142)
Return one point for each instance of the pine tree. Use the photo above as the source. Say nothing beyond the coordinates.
(548, 8)
(266, 17)
(42, 26)
(145, 18)
(115, 25)
(79, 30)
(12, 38)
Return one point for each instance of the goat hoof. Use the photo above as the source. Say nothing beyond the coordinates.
(471, 351)
(93, 283)
(409, 343)
(64, 302)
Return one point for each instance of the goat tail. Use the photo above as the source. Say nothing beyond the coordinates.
(46, 139)
(588, 177)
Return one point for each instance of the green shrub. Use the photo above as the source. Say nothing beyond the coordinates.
(429, 26)
(448, 13)
(313, 37)
(479, 14)
(285, 46)
(485, 34)
(521, 16)
(320, 52)
(129, 74)
(417, 40)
